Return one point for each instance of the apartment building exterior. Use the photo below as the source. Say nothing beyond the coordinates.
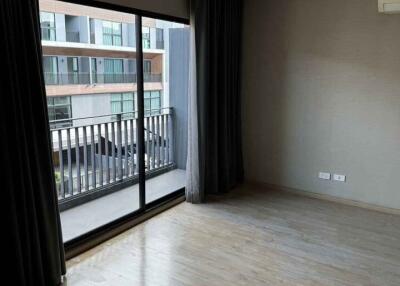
(89, 62)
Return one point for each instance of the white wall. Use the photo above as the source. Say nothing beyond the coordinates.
(90, 105)
(321, 92)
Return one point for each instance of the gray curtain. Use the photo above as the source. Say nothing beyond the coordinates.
(214, 125)
(31, 223)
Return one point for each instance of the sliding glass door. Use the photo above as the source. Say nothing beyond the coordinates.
(165, 106)
(124, 148)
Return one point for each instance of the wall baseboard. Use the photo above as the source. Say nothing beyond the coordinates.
(325, 197)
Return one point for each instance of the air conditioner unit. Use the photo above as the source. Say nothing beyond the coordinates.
(389, 6)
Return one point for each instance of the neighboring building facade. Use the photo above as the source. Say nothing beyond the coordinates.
(89, 62)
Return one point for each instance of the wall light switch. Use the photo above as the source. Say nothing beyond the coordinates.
(339, 178)
(324, 176)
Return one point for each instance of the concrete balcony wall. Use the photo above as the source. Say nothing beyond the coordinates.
(60, 27)
(80, 89)
(153, 38)
(90, 105)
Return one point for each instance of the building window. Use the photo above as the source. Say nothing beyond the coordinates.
(48, 26)
(152, 102)
(159, 38)
(50, 70)
(73, 70)
(146, 66)
(93, 63)
(112, 33)
(59, 110)
(122, 103)
(146, 37)
(113, 71)
(92, 31)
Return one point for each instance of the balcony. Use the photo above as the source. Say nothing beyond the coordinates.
(86, 78)
(96, 164)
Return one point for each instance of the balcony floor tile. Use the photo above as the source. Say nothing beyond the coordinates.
(88, 216)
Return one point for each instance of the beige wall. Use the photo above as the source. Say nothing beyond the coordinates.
(321, 92)
(80, 89)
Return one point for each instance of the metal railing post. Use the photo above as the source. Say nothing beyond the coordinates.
(171, 136)
(83, 169)
(119, 145)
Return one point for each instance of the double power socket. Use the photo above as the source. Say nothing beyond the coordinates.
(334, 177)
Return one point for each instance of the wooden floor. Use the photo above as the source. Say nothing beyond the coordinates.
(250, 237)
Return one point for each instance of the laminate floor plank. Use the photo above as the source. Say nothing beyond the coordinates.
(251, 236)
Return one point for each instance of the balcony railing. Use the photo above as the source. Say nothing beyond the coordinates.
(114, 78)
(66, 78)
(124, 78)
(85, 78)
(151, 77)
(72, 37)
(97, 154)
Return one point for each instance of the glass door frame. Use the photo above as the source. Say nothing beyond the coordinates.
(96, 236)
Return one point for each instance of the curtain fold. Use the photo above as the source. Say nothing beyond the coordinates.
(32, 223)
(214, 162)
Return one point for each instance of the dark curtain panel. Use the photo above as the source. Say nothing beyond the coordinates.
(32, 223)
(214, 147)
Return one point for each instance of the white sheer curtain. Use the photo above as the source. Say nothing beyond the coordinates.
(193, 190)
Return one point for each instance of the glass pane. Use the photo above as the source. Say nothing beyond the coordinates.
(86, 184)
(75, 64)
(117, 41)
(117, 29)
(61, 100)
(107, 39)
(108, 66)
(128, 96)
(165, 146)
(50, 70)
(107, 27)
(116, 107)
(116, 97)
(62, 112)
(51, 113)
(147, 66)
(47, 20)
(118, 67)
(52, 35)
(146, 106)
(47, 23)
(127, 105)
(155, 103)
(93, 64)
(146, 37)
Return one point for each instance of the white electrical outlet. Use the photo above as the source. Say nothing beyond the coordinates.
(339, 178)
(324, 176)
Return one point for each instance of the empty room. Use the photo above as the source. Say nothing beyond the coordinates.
(188, 142)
